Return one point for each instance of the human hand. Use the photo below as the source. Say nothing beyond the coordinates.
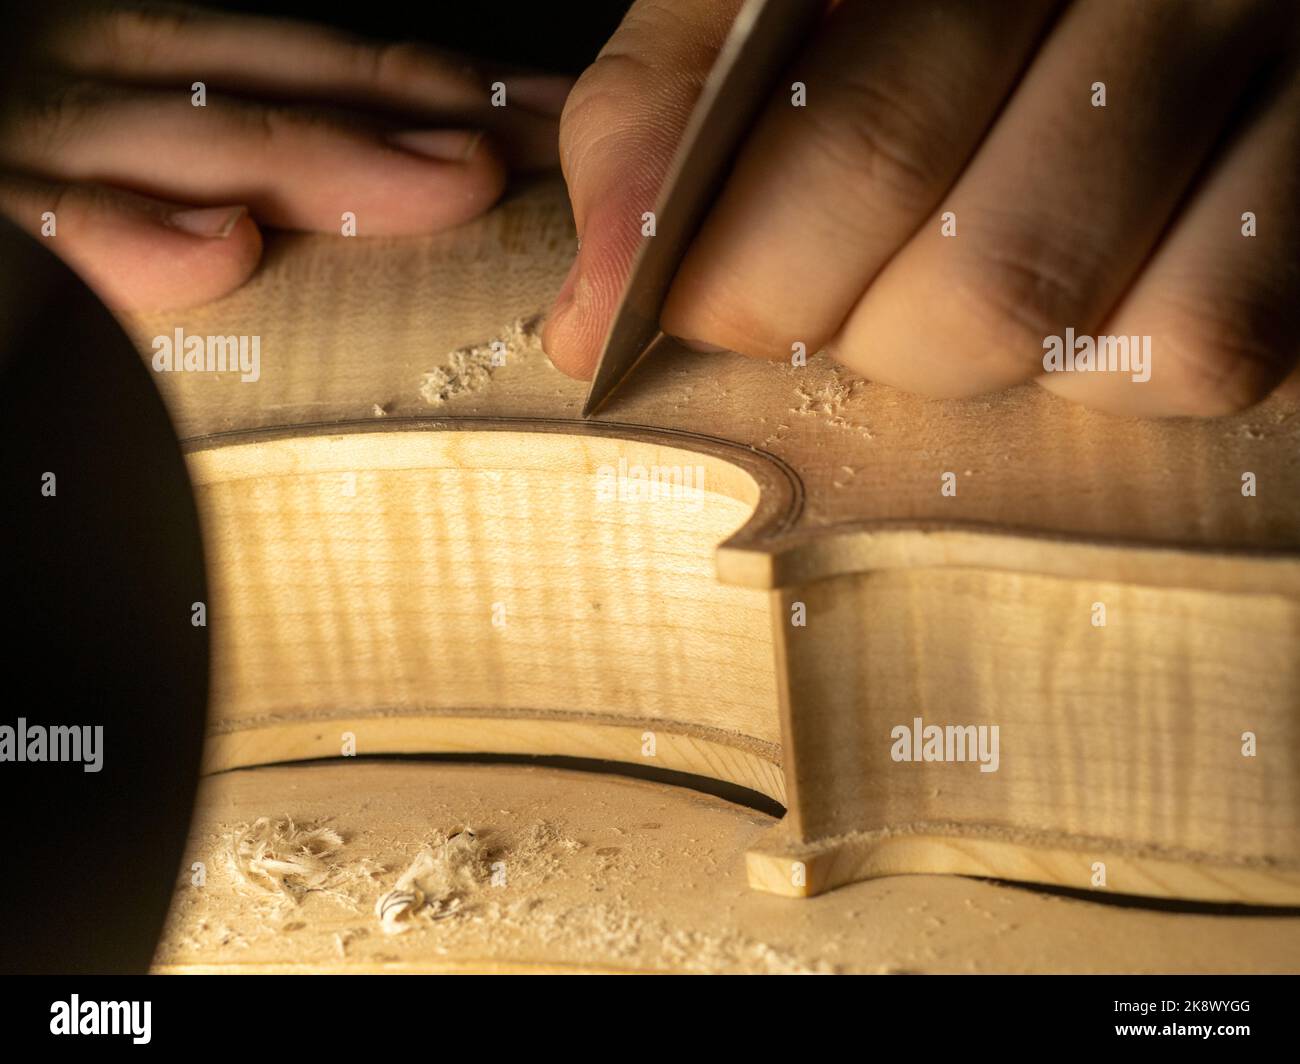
(954, 194)
(157, 201)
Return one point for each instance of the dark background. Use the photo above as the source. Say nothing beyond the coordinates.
(562, 37)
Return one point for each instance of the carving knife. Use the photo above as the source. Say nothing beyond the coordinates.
(763, 40)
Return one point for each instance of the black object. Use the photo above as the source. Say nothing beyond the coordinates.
(98, 584)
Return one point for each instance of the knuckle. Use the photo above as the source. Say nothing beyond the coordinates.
(391, 62)
(638, 92)
(605, 114)
(265, 122)
(56, 117)
(606, 91)
(1024, 280)
(683, 38)
(271, 126)
(68, 206)
(1220, 367)
(144, 31)
(868, 131)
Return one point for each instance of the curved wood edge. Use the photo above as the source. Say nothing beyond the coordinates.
(768, 551)
(776, 495)
(541, 736)
(799, 872)
(767, 487)
(789, 560)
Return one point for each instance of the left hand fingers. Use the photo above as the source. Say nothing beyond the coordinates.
(293, 168)
(286, 60)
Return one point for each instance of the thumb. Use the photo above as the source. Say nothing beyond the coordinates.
(618, 133)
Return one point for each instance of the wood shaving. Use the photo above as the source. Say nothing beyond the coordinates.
(585, 889)
(277, 857)
(279, 860)
(435, 884)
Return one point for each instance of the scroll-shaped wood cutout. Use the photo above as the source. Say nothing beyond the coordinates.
(1088, 632)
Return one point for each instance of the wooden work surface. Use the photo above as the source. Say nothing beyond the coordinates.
(384, 486)
(613, 874)
(349, 327)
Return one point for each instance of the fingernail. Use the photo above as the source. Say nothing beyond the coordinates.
(216, 222)
(445, 145)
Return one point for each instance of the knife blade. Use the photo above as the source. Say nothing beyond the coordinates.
(762, 41)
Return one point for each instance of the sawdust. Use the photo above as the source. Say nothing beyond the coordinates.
(543, 847)
(454, 876)
(469, 369)
(831, 399)
(826, 394)
(281, 861)
(613, 874)
(616, 930)
(331, 891)
(1256, 429)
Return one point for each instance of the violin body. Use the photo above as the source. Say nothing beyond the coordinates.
(1005, 637)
